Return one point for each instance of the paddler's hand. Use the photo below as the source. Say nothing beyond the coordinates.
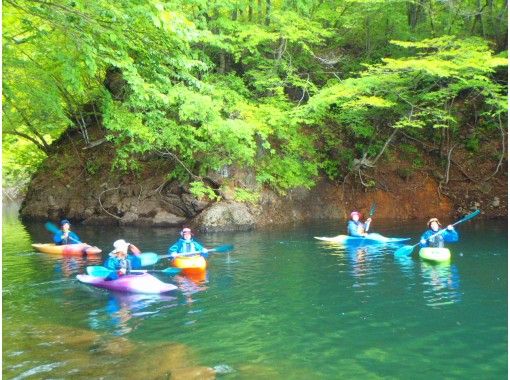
(122, 271)
(368, 220)
(449, 228)
(423, 241)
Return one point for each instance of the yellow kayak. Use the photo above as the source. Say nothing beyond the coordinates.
(196, 262)
(67, 249)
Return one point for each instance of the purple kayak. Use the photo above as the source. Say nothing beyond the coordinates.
(131, 283)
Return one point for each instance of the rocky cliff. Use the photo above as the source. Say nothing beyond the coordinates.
(78, 183)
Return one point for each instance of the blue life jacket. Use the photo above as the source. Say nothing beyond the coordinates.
(72, 238)
(353, 227)
(115, 264)
(438, 241)
(183, 246)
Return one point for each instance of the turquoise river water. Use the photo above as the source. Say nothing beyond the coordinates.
(281, 305)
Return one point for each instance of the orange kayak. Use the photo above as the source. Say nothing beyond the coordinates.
(68, 249)
(195, 262)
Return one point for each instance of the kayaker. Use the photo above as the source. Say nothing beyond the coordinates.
(133, 252)
(186, 244)
(449, 235)
(118, 260)
(355, 227)
(65, 235)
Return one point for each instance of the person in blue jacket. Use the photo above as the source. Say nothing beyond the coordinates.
(65, 235)
(447, 236)
(355, 227)
(186, 244)
(118, 260)
(132, 252)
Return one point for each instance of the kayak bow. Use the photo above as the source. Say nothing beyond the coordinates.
(67, 249)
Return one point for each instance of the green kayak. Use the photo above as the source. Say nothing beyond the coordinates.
(435, 254)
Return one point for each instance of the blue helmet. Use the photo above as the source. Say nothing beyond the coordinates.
(65, 221)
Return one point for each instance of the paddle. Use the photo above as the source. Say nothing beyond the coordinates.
(99, 271)
(55, 230)
(408, 249)
(151, 258)
(372, 211)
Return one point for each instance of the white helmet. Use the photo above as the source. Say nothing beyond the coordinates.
(120, 245)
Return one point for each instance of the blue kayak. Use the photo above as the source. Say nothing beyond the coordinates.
(372, 238)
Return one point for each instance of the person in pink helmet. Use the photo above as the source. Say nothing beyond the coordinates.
(355, 227)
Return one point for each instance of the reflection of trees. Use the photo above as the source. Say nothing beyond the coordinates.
(16, 248)
(441, 283)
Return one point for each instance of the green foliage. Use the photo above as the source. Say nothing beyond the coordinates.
(473, 144)
(92, 167)
(421, 91)
(307, 88)
(20, 161)
(242, 195)
(201, 191)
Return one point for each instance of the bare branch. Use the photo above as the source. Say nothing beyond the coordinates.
(29, 138)
(385, 146)
(503, 149)
(174, 156)
(101, 204)
(448, 164)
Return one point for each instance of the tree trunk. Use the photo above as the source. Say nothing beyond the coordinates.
(490, 20)
(259, 10)
(221, 68)
(478, 19)
(415, 13)
(268, 12)
(502, 37)
(431, 18)
(282, 46)
(368, 45)
(234, 13)
(250, 11)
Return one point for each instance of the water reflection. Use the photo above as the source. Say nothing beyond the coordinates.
(123, 312)
(364, 263)
(190, 283)
(70, 266)
(407, 265)
(441, 283)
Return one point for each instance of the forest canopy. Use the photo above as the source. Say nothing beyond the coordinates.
(288, 89)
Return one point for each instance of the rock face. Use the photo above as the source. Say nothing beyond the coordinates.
(129, 204)
(226, 216)
(65, 186)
